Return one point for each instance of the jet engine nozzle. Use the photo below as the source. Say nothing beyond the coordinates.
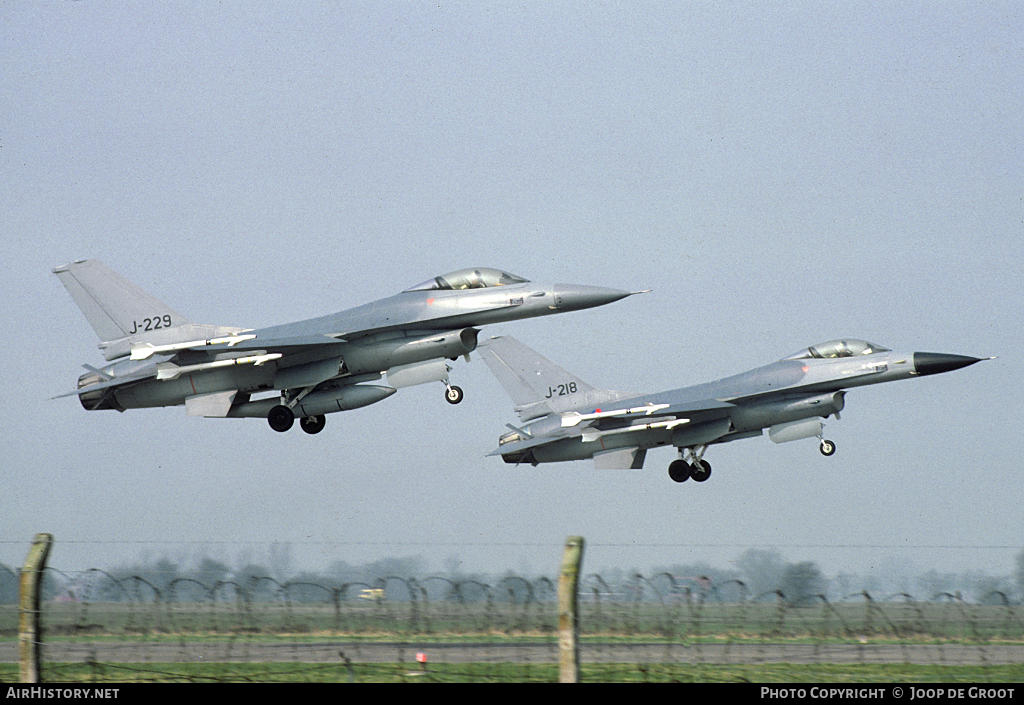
(98, 399)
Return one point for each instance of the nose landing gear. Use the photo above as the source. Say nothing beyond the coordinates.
(691, 464)
(453, 394)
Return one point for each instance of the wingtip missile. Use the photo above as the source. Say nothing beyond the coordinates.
(168, 370)
(144, 351)
(574, 418)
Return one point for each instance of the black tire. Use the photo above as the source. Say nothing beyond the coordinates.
(700, 470)
(827, 448)
(453, 394)
(313, 424)
(679, 470)
(281, 418)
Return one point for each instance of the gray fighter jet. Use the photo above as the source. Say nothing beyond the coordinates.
(309, 368)
(567, 419)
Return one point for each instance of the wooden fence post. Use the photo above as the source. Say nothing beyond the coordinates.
(29, 633)
(568, 614)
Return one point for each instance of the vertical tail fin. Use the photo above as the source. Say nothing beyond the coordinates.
(121, 313)
(114, 307)
(537, 385)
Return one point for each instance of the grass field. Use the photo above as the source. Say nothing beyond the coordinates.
(183, 630)
(895, 619)
(516, 673)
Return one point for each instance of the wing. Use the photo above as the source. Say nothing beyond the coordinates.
(697, 419)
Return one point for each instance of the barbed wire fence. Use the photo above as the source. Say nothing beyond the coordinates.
(131, 627)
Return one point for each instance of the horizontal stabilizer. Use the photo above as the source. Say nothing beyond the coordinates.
(147, 373)
(521, 445)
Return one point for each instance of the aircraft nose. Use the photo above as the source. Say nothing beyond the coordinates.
(933, 363)
(573, 297)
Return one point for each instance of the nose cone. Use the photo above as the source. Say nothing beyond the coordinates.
(573, 297)
(934, 363)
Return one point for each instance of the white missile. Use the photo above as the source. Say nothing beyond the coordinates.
(168, 370)
(574, 419)
(146, 350)
(593, 435)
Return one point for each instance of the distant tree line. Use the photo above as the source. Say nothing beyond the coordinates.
(757, 575)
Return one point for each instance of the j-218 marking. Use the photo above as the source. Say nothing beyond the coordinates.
(562, 390)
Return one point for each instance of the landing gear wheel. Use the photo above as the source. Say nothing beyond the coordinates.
(313, 424)
(453, 395)
(827, 447)
(700, 470)
(281, 418)
(679, 470)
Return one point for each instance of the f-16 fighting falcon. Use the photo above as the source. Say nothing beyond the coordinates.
(310, 368)
(567, 419)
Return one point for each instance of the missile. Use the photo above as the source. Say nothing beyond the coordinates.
(168, 370)
(144, 351)
(574, 419)
(667, 425)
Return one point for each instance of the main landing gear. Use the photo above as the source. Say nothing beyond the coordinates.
(692, 466)
(313, 424)
(282, 417)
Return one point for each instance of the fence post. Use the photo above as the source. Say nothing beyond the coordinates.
(568, 614)
(29, 633)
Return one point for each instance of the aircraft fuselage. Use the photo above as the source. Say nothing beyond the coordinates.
(320, 365)
(779, 397)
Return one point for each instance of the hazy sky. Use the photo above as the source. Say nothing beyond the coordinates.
(779, 174)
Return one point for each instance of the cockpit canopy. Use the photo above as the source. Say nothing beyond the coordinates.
(848, 347)
(472, 278)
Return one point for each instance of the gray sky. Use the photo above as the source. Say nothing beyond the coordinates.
(778, 174)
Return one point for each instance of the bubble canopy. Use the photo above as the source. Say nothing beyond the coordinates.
(472, 278)
(847, 347)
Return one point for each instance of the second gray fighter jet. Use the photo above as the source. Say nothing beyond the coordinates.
(567, 419)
